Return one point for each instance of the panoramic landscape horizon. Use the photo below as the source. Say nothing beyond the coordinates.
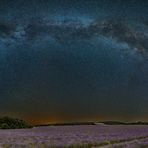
(74, 61)
(73, 73)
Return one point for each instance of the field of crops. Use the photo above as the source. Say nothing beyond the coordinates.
(104, 136)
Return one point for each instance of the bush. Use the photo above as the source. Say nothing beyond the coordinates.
(4, 126)
(12, 123)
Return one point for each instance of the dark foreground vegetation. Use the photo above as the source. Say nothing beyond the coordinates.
(13, 123)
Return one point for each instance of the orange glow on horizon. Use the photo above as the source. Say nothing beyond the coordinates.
(53, 120)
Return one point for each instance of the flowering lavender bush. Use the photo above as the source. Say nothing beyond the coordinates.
(81, 136)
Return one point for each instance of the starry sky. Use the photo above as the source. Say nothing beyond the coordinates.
(74, 60)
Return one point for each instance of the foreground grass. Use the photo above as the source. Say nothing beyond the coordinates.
(105, 143)
(79, 145)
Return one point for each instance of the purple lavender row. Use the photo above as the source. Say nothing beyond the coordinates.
(71, 135)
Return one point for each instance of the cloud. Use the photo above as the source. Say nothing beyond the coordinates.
(6, 29)
(76, 30)
(123, 31)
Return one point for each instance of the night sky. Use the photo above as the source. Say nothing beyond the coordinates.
(74, 60)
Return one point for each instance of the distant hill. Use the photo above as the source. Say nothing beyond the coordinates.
(96, 123)
(68, 124)
(123, 123)
(13, 123)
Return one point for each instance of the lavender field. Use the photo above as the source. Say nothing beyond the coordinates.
(105, 136)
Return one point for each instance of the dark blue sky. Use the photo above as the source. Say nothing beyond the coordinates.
(74, 60)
